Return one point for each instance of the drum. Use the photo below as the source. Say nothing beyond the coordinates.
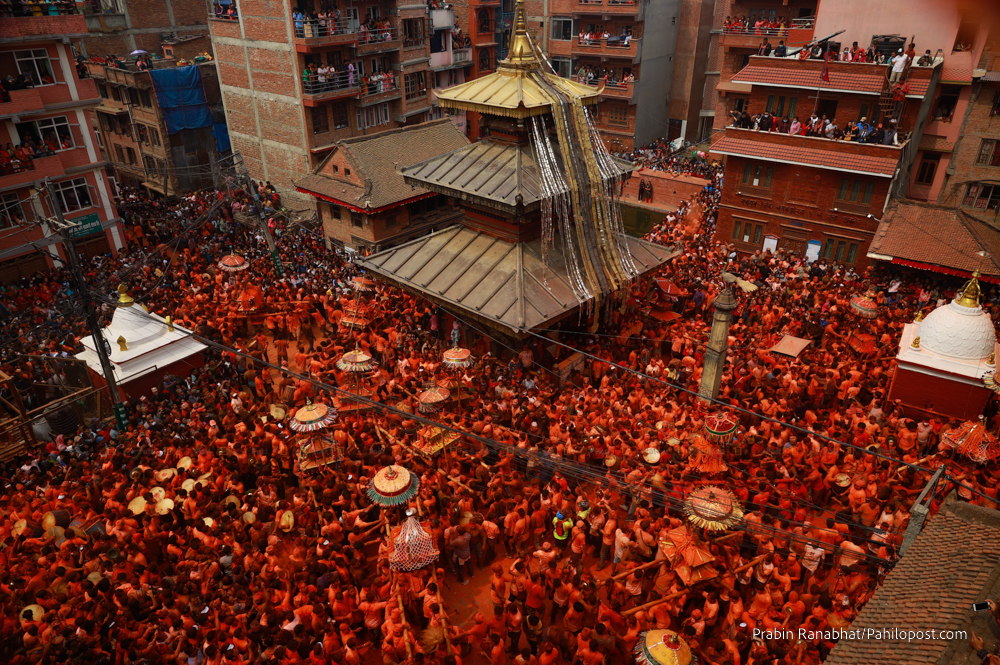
(53, 518)
(28, 528)
(98, 528)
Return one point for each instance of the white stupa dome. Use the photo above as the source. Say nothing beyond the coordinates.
(960, 329)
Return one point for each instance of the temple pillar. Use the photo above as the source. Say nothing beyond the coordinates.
(715, 350)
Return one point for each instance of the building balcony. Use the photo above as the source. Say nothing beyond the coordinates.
(17, 102)
(39, 168)
(378, 41)
(326, 32)
(612, 47)
(67, 22)
(104, 15)
(336, 86)
(443, 19)
(376, 92)
(617, 89)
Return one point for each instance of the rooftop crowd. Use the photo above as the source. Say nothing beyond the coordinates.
(560, 508)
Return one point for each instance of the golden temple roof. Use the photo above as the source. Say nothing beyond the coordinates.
(518, 88)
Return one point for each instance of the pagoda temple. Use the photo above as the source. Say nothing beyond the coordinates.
(541, 236)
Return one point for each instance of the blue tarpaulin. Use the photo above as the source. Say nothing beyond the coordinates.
(221, 133)
(181, 95)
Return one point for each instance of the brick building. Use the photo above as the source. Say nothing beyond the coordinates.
(137, 142)
(49, 111)
(168, 28)
(284, 120)
(364, 203)
(814, 196)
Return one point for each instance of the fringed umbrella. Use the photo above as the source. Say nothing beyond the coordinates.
(862, 342)
(233, 263)
(457, 358)
(990, 381)
(973, 441)
(713, 508)
(663, 647)
(705, 457)
(720, 427)
(362, 284)
(318, 451)
(354, 322)
(865, 305)
(312, 417)
(432, 399)
(356, 361)
(413, 547)
(393, 486)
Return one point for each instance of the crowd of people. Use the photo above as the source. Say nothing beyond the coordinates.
(862, 131)
(550, 498)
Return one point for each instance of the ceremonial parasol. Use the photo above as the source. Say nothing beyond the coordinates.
(312, 417)
(392, 486)
(720, 427)
(973, 441)
(457, 358)
(317, 452)
(432, 398)
(352, 321)
(356, 361)
(865, 305)
(413, 548)
(662, 647)
(990, 381)
(362, 284)
(233, 263)
(705, 457)
(713, 508)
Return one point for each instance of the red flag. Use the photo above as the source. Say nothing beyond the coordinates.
(826, 65)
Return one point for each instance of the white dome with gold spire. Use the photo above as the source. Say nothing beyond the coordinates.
(960, 329)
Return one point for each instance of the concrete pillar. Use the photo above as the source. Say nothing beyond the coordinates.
(715, 351)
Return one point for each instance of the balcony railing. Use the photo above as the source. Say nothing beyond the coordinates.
(376, 36)
(335, 82)
(41, 9)
(103, 7)
(326, 27)
(16, 166)
(460, 55)
(226, 13)
(621, 47)
(804, 23)
(379, 84)
(752, 31)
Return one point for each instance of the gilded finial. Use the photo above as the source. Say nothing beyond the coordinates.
(919, 317)
(969, 295)
(170, 323)
(520, 55)
(992, 360)
(916, 342)
(121, 343)
(124, 299)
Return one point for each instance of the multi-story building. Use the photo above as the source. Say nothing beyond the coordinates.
(451, 61)
(810, 195)
(141, 147)
(47, 108)
(170, 29)
(363, 202)
(294, 85)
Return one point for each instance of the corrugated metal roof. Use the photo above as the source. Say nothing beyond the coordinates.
(499, 280)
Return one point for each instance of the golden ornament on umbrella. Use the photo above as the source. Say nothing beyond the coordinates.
(713, 508)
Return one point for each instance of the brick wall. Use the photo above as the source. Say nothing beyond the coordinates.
(38, 26)
(962, 170)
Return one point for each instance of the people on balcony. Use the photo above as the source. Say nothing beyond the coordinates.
(819, 126)
(375, 30)
(325, 78)
(756, 26)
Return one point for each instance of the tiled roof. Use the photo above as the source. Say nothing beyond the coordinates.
(730, 86)
(935, 235)
(952, 564)
(962, 75)
(936, 144)
(376, 158)
(865, 80)
(500, 281)
(918, 87)
(823, 159)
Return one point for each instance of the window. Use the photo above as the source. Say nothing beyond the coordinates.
(416, 85)
(347, 172)
(947, 101)
(356, 220)
(841, 251)
(373, 116)
(340, 117)
(390, 221)
(748, 233)
(563, 67)
(855, 191)
(116, 93)
(142, 133)
(320, 120)
(145, 99)
(989, 153)
(928, 166)
(11, 212)
(982, 196)
(334, 211)
(55, 133)
(413, 31)
(562, 29)
(130, 156)
(154, 136)
(484, 23)
(618, 115)
(996, 104)
(73, 194)
(793, 104)
(119, 154)
(35, 63)
(757, 175)
(485, 60)
(103, 90)
(336, 169)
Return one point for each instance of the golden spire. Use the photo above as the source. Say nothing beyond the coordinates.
(121, 343)
(969, 296)
(124, 299)
(520, 55)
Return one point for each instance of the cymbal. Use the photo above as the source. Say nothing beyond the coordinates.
(158, 494)
(164, 506)
(137, 505)
(185, 463)
(165, 474)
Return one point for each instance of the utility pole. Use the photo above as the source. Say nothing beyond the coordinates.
(100, 344)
